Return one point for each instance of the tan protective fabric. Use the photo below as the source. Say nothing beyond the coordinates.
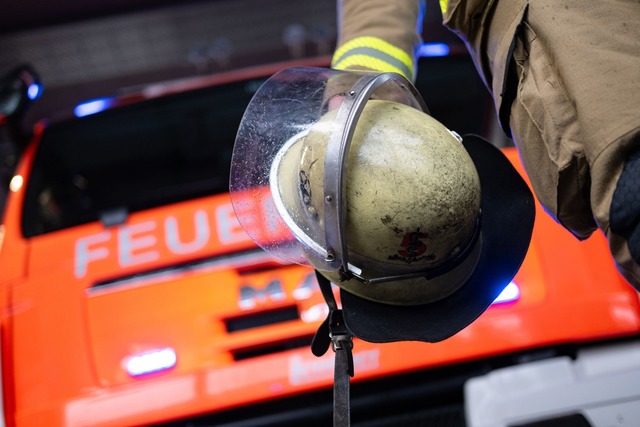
(565, 78)
(577, 111)
(392, 21)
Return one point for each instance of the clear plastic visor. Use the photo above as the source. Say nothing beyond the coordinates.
(268, 192)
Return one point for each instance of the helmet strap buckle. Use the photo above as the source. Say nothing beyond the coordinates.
(333, 331)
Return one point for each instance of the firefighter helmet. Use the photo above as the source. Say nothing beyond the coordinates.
(420, 229)
(412, 203)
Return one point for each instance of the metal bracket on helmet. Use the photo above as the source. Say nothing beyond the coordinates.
(462, 257)
(335, 163)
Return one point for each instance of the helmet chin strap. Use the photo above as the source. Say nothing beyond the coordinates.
(334, 332)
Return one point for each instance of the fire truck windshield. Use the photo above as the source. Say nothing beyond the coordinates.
(135, 157)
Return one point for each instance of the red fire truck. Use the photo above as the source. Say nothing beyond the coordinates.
(129, 296)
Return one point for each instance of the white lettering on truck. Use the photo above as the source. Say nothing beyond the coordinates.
(84, 252)
(132, 239)
(139, 243)
(202, 235)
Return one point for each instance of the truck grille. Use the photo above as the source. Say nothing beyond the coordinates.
(271, 348)
(259, 319)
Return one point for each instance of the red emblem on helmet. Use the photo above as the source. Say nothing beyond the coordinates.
(413, 244)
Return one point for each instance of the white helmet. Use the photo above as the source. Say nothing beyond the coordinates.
(380, 198)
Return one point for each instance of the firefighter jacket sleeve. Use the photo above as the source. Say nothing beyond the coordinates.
(379, 35)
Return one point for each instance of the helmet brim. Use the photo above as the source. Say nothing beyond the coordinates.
(508, 213)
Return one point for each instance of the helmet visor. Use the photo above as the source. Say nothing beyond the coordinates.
(290, 123)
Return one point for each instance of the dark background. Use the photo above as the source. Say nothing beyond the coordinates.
(90, 49)
(85, 50)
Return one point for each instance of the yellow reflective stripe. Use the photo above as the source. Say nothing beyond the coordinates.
(379, 51)
(443, 5)
(368, 62)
